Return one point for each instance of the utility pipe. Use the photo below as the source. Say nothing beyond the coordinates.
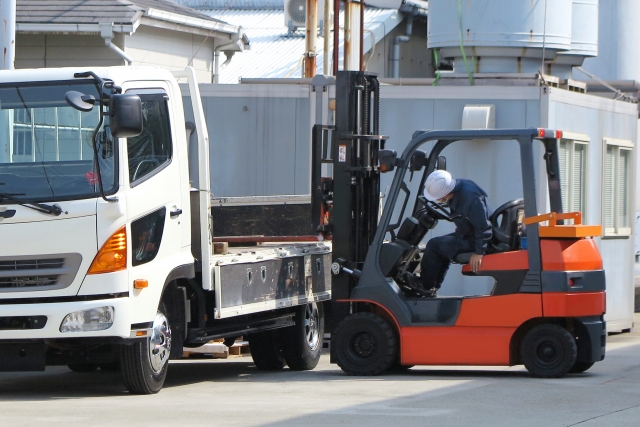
(336, 35)
(8, 12)
(311, 39)
(396, 44)
(328, 5)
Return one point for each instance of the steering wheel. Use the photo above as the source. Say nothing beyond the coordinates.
(436, 210)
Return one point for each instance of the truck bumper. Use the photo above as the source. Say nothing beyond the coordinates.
(18, 321)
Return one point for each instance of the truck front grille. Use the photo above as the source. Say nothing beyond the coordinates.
(38, 273)
(31, 264)
(24, 281)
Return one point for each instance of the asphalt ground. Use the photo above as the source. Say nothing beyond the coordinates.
(233, 393)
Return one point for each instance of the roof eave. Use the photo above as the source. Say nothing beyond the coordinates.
(191, 22)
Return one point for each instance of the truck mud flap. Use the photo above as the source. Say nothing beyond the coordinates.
(22, 356)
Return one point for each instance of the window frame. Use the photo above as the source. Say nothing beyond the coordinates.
(584, 140)
(617, 231)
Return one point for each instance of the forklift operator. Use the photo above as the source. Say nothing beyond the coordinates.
(470, 210)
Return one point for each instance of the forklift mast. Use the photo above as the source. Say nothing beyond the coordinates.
(346, 206)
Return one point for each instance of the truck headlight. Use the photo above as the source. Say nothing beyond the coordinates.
(94, 319)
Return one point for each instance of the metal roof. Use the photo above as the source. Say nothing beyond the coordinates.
(83, 15)
(273, 53)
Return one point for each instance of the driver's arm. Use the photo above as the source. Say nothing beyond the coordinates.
(479, 219)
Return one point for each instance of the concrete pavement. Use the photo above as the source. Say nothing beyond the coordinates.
(233, 393)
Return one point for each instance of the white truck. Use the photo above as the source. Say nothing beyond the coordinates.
(106, 255)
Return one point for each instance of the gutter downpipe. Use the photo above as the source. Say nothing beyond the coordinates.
(401, 39)
(236, 42)
(106, 32)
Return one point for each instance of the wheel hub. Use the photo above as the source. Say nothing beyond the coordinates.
(159, 343)
(364, 345)
(311, 325)
(548, 353)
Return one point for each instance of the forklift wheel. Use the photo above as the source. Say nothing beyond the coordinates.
(548, 351)
(580, 367)
(364, 344)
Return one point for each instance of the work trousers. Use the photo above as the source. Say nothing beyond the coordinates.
(437, 257)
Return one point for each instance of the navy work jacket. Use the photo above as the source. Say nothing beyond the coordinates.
(471, 204)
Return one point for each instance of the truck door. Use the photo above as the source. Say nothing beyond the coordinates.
(153, 202)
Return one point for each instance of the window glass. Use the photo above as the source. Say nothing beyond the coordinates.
(572, 156)
(617, 178)
(150, 150)
(46, 153)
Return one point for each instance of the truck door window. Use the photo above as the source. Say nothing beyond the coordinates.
(150, 151)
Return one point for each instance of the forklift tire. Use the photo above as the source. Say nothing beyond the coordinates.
(364, 344)
(82, 367)
(144, 364)
(548, 351)
(580, 367)
(266, 350)
(302, 343)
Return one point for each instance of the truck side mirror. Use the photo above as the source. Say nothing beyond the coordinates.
(441, 163)
(387, 160)
(126, 115)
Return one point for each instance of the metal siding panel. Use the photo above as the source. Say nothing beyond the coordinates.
(302, 173)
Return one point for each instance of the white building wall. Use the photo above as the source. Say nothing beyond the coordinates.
(172, 50)
(64, 50)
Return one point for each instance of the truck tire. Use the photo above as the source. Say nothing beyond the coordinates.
(548, 351)
(82, 367)
(144, 364)
(302, 343)
(266, 350)
(364, 344)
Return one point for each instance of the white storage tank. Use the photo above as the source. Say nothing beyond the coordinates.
(584, 38)
(500, 36)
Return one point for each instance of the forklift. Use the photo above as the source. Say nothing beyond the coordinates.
(546, 308)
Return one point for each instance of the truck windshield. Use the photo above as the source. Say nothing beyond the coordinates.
(46, 151)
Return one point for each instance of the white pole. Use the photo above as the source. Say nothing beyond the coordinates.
(8, 19)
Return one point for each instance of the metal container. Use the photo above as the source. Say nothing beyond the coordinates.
(499, 36)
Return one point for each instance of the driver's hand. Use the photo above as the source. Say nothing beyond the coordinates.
(475, 262)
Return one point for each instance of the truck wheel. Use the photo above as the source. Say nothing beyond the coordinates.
(364, 344)
(302, 343)
(82, 367)
(580, 367)
(266, 350)
(144, 364)
(548, 351)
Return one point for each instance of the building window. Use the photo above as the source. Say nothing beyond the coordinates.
(618, 165)
(572, 155)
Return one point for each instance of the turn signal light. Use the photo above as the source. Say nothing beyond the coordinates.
(140, 283)
(112, 256)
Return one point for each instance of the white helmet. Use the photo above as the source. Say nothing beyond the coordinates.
(439, 184)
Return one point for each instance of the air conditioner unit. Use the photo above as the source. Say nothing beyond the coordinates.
(295, 13)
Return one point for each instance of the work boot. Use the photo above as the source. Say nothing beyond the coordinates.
(413, 285)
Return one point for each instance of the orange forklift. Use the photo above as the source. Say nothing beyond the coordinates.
(548, 300)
